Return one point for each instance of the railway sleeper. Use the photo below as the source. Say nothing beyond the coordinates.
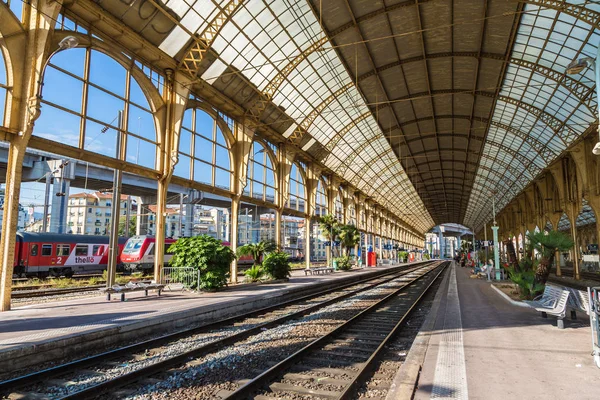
(317, 379)
(339, 372)
(344, 353)
(287, 388)
(329, 362)
(340, 344)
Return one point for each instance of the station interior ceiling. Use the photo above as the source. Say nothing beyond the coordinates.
(427, 106)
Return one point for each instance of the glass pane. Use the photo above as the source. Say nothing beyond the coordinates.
(104, 107)
(59, 126)
(107, 73)
(202, 172)
(222, 178)
(62, 89)
(72, 60)
(182, 168)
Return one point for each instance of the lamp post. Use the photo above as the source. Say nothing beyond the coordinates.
(575, 67)
(496, 244)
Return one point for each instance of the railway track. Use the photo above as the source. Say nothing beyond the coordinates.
(338, 363)
(24, 294)
(147, 358)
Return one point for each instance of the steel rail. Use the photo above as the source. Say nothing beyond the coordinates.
(267, 376)
(23, 294)
(30, 379)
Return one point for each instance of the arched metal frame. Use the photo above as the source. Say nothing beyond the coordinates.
(297, 189)
(321, 198)
(84, 99)
(204, 147)
(262, 162)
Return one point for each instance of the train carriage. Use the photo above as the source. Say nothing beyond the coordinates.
(138, 254)
(52, 254)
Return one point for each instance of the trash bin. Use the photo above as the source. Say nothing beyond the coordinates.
(335, 265)
(360, 263)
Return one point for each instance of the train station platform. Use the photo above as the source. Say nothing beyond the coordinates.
(33, 334)
(480, 346)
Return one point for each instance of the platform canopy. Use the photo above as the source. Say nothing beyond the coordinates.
(429, 107)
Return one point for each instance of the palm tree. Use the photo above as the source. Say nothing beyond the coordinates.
(256, 250)
(330, 228)
(349, 236)
(547, 245)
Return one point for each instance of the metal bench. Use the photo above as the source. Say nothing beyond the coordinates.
(318, 270)
(578, 301)
(547, 299)
(132, 287)
(558, 309)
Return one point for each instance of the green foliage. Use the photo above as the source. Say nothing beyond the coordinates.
(94, 280)
(548, 243)
(344, 263)
(206, 254)
(525, 280)
(254, 274)
(256, 250)
(132, 225)
(330, 227)
(403, 255)
(277, 265)
(349, 237)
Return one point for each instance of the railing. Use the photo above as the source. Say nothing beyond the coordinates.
(179, 278)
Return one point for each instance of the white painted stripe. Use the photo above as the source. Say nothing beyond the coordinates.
(450, 379)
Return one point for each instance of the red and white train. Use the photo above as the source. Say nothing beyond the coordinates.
(44, 254)
(138, 253)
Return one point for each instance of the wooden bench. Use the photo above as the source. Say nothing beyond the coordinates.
(318, 270)
(558, 308)
(132, 287)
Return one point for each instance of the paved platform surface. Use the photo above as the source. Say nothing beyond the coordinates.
(39, 323)
(483, 347)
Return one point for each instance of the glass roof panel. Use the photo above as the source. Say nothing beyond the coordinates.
(552, 40)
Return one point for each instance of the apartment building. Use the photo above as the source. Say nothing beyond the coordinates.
(90, 213)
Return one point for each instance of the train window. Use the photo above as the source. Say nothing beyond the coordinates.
(98, 250)
(46, 250)
(151, 252)
(81, 250)
(34, 250)
(62, 250)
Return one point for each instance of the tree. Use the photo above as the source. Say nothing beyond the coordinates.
(256, 250)
(547, 245)
(132, 225)
(330, 228)
(206, 254)
(349, 236)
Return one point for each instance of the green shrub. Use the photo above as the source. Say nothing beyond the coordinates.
(206, 254)
(277, 265)
(403, 256)
(254, 274)
(344, 263)
(525, 280)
